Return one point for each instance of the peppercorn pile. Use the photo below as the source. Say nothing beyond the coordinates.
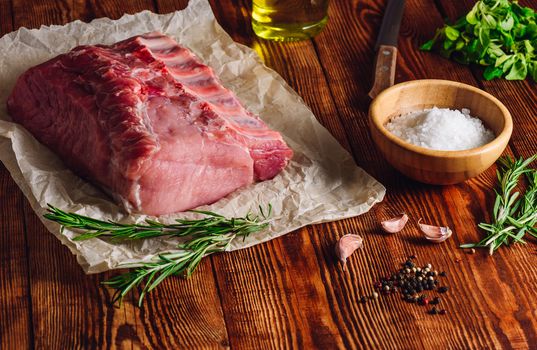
(413, 282)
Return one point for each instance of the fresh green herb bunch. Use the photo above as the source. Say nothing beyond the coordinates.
(498, 34)
(208, 235)
(514, 215)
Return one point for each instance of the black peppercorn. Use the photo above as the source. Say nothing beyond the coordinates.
(443, 312)
(411, 280)
(363, 300)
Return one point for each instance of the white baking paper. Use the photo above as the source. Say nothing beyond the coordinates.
(321, 183)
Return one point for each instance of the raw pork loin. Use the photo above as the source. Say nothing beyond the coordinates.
(148, 122)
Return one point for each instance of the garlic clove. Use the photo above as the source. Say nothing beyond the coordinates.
(346, 245)
(436, 234)
(443, 238)
(395, 224)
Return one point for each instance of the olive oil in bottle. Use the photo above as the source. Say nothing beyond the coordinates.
(289, 20)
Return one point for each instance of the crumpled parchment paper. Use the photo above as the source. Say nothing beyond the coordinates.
(321, 183)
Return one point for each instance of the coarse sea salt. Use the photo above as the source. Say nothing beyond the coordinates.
(441, 129)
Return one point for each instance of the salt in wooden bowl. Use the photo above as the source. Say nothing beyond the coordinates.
(434, 166)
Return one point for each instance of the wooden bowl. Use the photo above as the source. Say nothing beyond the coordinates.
(433, 166)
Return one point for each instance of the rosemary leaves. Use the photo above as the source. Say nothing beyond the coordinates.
(211, 234)
(212, 224)
(514, 214)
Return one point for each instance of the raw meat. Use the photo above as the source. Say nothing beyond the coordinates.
(148, 122)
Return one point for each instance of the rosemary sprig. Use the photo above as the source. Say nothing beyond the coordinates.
(513, 215)
(182, 263)
(208, 235)
(213, 224)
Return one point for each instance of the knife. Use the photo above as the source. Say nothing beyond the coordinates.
(386, 47)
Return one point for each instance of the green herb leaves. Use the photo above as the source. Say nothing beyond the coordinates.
(498, 34)
(212, 224)
(513, 216)
(214, 233)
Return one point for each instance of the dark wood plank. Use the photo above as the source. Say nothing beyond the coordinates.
(116, 8)
(33, 14)
(6, 17)
(166, 6)
(184, 314)
(70, 309)
(15, 308)
(73, 310)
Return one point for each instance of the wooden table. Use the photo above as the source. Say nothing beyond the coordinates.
(289, 293)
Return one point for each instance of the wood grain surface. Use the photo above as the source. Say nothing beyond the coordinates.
(290, 292)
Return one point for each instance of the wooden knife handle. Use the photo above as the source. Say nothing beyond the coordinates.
(384, 69)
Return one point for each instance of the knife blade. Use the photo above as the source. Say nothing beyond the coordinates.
(386, 47)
